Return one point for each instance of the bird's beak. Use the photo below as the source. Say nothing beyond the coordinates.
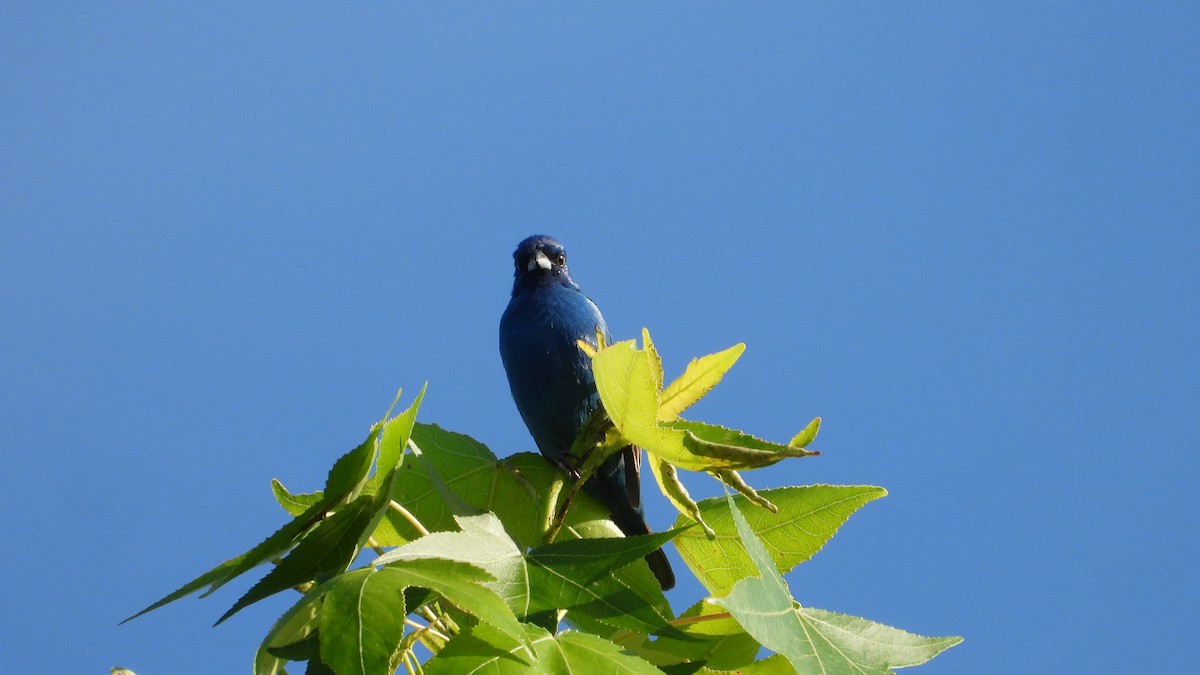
(539, 259)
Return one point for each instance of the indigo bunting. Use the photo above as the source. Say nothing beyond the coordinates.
(552, 383)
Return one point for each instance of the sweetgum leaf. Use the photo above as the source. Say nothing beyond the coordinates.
(762, 603)
(345, 478)
(561, 575)
(776, 664)
(807, 518)
(807, 435)
(482, 649)
(719, 641)
(673, 489)
(446, 449)
(294, 503)
(462, 585)
(393, 437)
(349, 472)
(514, 489)
(362, 621)
(482, 542)
(282, 540)
(813, 640)
(297, 625)
(700, 376)
(586, 575)
(326, 551)
(731, 449)
(842, 643)
(629, 379)
(608, 600)
(587, 559)
(302, 650)
(392, 434)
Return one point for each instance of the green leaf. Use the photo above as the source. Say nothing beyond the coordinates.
(327, 550)
(562, 575)
(317, 667)
(807, 435)
(484, 543)
(464, 465)
(294, 503)
(629, 379)
(296, 626)
(586, 576)
(362, 622)
(734, 480)
(345, 478)
(842, 643)
(762, 604)
(462, 585)
(700, 376)
(483, 650)
(813, 640)
(668, 481)
(394, 437)
(272, 546)
(445, 450)
(392, 434)
(724, 448)
(349, 472)
(585, 560)
(514, 489)
(776, 664)
(611, 602)
(717, 641)
(308, 648)
(582, 652)
(807, 518)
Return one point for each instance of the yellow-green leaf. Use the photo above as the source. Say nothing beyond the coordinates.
(807, 517)
(673, 489)
(807, 435)
(627, 384)
(700, 376)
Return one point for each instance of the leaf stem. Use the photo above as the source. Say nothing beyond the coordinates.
(561, 516)
(412, 520)
(550, 505)
(425, 629)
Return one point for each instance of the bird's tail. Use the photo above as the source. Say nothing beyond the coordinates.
(633, 523)
(618, 486)
(661, 567)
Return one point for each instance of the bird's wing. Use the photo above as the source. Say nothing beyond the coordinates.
(633, 475)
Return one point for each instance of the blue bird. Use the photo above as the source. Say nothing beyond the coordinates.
(552, 383)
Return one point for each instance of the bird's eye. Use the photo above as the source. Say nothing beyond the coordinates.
(561, 260)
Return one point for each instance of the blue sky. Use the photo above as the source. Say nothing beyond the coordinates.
(963, 234)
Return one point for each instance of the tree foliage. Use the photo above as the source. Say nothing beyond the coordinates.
(504, 566)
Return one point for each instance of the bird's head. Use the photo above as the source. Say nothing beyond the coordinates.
(540, 260)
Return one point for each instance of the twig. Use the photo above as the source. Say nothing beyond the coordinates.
(374, 545)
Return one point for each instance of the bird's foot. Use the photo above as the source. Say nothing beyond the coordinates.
(570, 465)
